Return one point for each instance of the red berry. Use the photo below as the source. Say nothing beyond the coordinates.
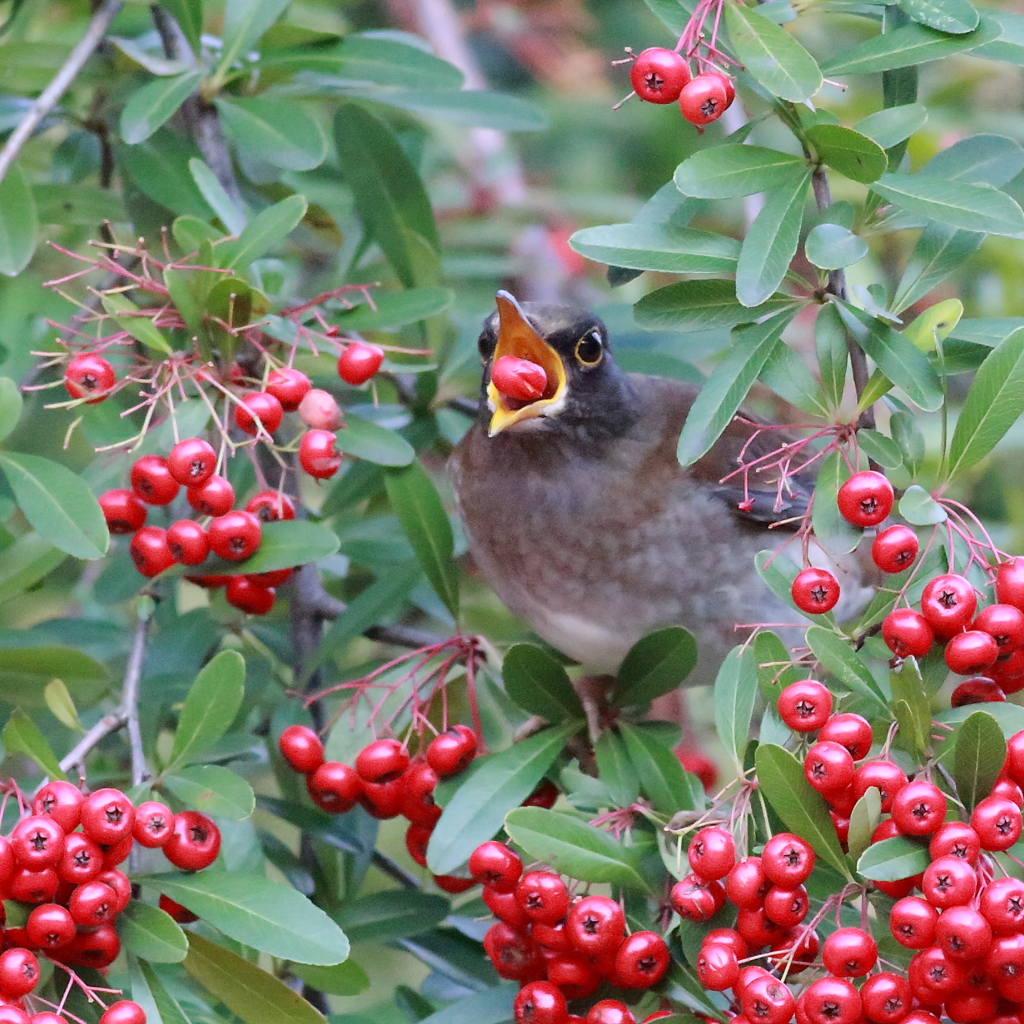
(704, 99)
(712, 853)
(82, 860)
(696, 899)
(886, 777)
(151, 480)
(61, 801)
(949, 882)
(258, 405)
(504, 907)
(815, 591)
(519, 379)
(320, 410)
(37, 842)
(98, 948)
(886, 998)
(359, 362)
(513, 953)
(317, 454)
(907, 633)
(1004, 962)
(697, 763)
(269, 506)
(595, 925)
(830, 1001)
(849, 953)
(150, 552)
(572, 975)
(89, 376)
(948, 603)
(963, 934)
(92, 904)
(495, 866)
(452, 883)
(746, 884)
(50, 925)
(271, 579)
(195, 841)
(153, 824)
(301, 748)
(122, 510)
(933, 976)
(1010, 583)
(850, 731)
(997, 822)
(249, 597)
(658, 75)
(717, 967)
(542, 897)
(544, 796)
(1005, 624)
(107, 816)
(971, 652)
(33, 886)
(452, 751)
(955, 839)
(191, 462)
(895, 549)
(540, 1002)
(10, 1014)
(766, 1000)
(212, 498)
(334, 787)
(289, 386)
(787, 860)
(124, 1011)
(19, 972)
(610, 1011)
(418, 784)
(787, 907)
(417, 838)
(383, 800)
(919, 808)
(187, 542)
(234, 535)
(382, 761)
(828, 766)
(1002, 905)
(805, 706)
(865, 499)
(1009, 789)
(977, 690)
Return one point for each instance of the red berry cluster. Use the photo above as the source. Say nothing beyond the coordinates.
(560, 949)
(386, 781)
(663, 76)
(62, 859)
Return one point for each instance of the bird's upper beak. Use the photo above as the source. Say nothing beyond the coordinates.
(516, 337)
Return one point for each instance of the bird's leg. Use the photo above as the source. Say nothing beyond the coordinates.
(593, 694)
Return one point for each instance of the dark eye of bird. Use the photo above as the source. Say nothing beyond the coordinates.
(485, 346)
(589, 349)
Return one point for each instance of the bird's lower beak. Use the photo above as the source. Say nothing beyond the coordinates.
(517, 338)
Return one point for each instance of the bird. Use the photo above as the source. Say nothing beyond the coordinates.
(578, 513)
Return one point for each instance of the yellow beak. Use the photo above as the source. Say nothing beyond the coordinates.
(516, 337)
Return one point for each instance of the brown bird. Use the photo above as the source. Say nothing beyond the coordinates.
(578, 513)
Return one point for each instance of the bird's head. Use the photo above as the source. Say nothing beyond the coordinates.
(547, 366)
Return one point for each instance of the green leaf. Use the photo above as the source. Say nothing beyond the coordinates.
(257, 912)
(415, 501)
(284, 543)
(474, 108)
(882, 449)
(20, 736)
(992, 406)
(940, 250)
(864, 818)
(148, 991)
(893, 125)
(957, 203)
(771, 55)
(907, 434)
(615, 769)
(277, 132)
(19, 225)
(347, 979)
(907, 46)
(661, 247)
(367, 440)
(831, 246)
(918, 507)
(891, 860)
(803, 811)
(62, 705)
(57, 503)
(244, 22)
(730, 171)
(979, 160)
(572, 847)
(836, 655)
(189, 15)
(832, 352)
(138, 323)
(953, 16)
(26, 670)
(833, 532)
(211, 706)
(538, 684)
(155, 103)
(390, 915)
(979, 755)
(656, 664)
(775, 670)
(1009, 46)
(771, 240)
(251, 994)
(379, 59)
(11, 404)
(265, 233)
(727, 387)
(389, 196)
(212, 789)
(491, 1006)
(787, 375)
(848, 152)
(219, 201)
(395, 309)
(699, 306)
(150, 934)
(662, 778)
(478, 808)
(735, 694)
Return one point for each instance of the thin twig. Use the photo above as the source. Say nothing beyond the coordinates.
(59, 84)
(107, 725)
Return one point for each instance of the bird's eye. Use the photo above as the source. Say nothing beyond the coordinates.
(589, 349)
(485, 345)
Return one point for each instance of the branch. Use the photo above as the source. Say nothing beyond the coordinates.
(59, 84)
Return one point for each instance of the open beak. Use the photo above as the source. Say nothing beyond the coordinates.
(517, 338)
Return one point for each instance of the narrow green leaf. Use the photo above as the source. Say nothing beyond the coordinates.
(615, 769)
(11, 404)
(891, 860)
(775, 670)
(803, 810)
(572, 847)
(283, 544)
(833, 355)
(918, 507)
(250, 993)
(907, 434)
(478, 808)
(347, 979)
(699, 306)
(735, 693)
(992, 406)
(978, 759)
(848, 152)
(662, 778)
(1009, 716)
(62, 705)
(843, 662)
(953, 16)
(769, 53)
(893, 125)
(19, 225)
(730, 171)
(189, 15)
(277, 132)
(727, 387)
(367, 440)
(150, 934)
(390, 915)
(491, 1006)
(210, 707)
(219, 201)
(257, 912)
(20, 736)
(212, 789)
(771, 240)
(265, 233)
(978, 159)
(392, 309)
(1009, 46)
(655, 665)
(244, 22)
(882, 449)
(957, 203)
(940, 250)
(415, 501)
(831, 247)
(155, 103)
(661, 247)
(907, 46)
(787, 375)
(833, 532)
(537, 683)
(57, 503)
(138, 323)
(148, 991)
(864, 818)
